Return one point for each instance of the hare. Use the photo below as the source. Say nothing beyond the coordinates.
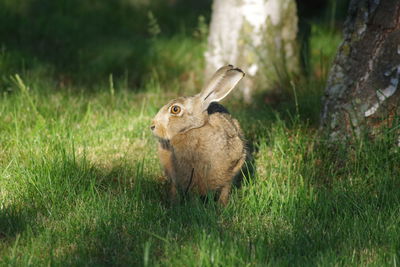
(201, 147)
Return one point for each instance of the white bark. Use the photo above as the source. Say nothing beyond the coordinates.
(256, 35)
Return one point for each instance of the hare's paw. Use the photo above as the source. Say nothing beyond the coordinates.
(224, 195)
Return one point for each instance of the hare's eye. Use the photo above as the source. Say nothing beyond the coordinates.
(175, 109)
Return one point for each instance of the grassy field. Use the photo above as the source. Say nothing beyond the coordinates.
(80, 182)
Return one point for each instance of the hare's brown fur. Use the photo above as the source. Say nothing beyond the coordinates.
(214, 152)
(200, 149)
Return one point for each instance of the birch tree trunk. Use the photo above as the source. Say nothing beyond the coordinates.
(362, 92)
(259, 36)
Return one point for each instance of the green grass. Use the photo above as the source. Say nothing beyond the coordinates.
(81, 184)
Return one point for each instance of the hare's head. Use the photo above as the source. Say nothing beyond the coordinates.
(186, 113)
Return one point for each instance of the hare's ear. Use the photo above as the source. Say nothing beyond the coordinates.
(220, 85)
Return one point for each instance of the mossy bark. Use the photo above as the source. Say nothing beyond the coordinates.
(362, 93)
(259, 36)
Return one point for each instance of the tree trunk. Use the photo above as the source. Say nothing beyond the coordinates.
(361, 95)
(259, 36)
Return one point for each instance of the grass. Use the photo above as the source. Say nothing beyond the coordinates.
(80, 182)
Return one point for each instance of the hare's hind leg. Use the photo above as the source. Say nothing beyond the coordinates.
(225, 190)
(224, 195)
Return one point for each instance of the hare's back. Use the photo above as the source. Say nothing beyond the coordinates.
(219, 117)
(225, 134)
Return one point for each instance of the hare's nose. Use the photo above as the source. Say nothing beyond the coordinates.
(152, 127)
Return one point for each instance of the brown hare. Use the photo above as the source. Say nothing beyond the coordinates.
(201, 147)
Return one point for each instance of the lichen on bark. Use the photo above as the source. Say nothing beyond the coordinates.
(361, 95)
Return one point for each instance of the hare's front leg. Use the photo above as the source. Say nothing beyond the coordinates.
(165, 156)
(173, 194)
(224, 195)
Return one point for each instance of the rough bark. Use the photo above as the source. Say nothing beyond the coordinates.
(362, 93)
(259, 36)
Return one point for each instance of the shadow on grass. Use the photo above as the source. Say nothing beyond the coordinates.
(344, 203)
(81, 207)
(343, 221)
(12, 222)
(86, 41)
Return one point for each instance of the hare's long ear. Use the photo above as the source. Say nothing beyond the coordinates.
(220, 85)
